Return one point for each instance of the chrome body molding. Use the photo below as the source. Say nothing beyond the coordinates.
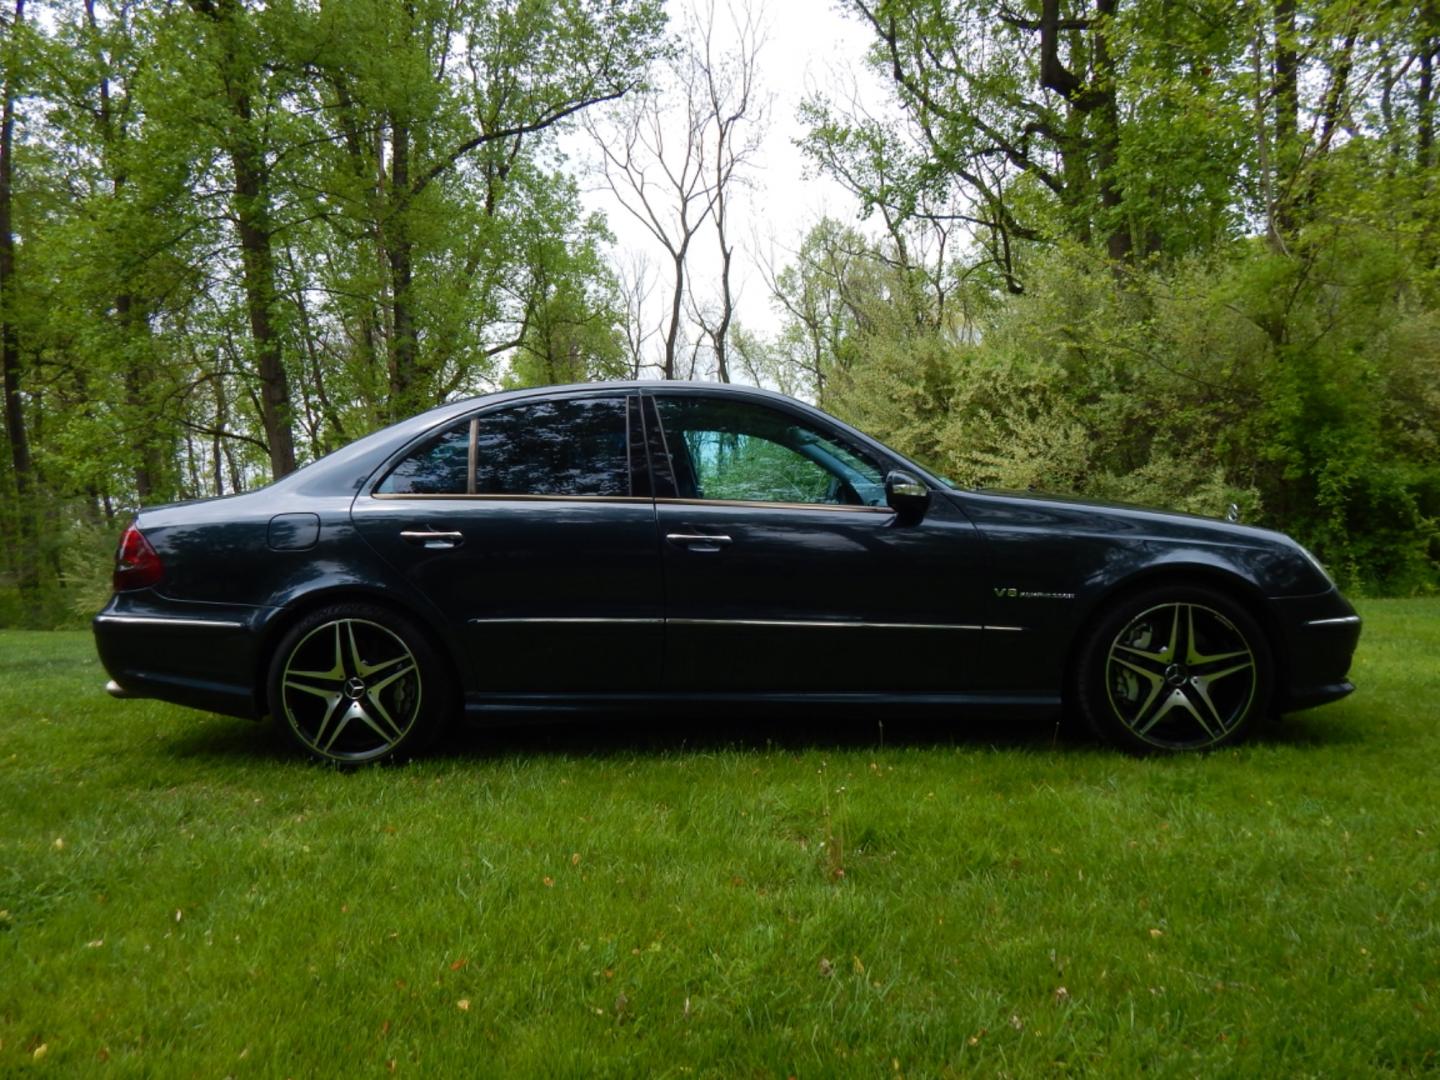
(179, 623)
(822, 624)
(1340, 620)
(505, 620)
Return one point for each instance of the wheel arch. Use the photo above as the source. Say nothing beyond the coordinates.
(301, 606)
(1229, 583)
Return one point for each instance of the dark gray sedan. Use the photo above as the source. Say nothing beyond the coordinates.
(652, 544)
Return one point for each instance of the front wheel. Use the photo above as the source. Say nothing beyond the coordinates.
(1174, 669)
(357, 683)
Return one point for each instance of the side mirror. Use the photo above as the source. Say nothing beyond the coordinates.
(907, 496)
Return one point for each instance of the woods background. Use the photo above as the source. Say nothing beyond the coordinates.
(1175, 253)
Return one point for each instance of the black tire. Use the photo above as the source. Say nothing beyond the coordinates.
(356, 683)
(1174, 669)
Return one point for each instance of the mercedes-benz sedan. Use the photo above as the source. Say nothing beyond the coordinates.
(671, 544)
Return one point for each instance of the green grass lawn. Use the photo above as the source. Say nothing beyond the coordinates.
(180, 896)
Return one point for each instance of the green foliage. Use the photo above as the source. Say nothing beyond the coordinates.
(1201, 266)
(571, 327)
(241, 228)
(1304, 390)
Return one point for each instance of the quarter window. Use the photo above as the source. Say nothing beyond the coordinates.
(440, 467)
(737, 451)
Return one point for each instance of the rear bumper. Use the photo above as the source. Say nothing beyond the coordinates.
(1319, 635)
(202, 656)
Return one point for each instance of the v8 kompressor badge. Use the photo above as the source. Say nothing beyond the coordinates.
(1009, 592)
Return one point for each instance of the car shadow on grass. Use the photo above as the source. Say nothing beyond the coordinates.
(1315, 728)
(760, 730)
(225, 737)
(757, 730)
(624, 733)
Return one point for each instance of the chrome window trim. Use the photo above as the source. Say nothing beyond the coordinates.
(761, 504)
(474, 455)
(179, 622)
(517, 498)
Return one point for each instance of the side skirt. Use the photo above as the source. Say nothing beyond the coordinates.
(536, 706)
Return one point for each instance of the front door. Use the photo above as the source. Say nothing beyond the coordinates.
(785, 569)
(531, 528)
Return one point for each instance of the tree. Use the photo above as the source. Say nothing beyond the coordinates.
(27, 556)
(673, 157)
(441, 134)
(251, 94)
(736, 115)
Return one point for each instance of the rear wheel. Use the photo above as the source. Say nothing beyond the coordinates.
(357, 683)
(1173, 669)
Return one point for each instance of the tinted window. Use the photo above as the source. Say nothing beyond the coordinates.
(569, 447)
(739, 451)
(439, 467)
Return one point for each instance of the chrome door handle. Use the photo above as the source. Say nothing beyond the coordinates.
(686, 539)
(432, 539)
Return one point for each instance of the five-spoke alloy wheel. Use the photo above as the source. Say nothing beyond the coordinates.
(1174, 669)
(355, 683)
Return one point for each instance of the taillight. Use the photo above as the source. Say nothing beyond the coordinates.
(136, 564)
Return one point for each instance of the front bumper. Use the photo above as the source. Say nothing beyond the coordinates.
(1318, 635)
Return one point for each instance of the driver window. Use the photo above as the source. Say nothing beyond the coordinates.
(737, 451)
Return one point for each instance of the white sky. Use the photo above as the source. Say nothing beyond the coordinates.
(810, 46)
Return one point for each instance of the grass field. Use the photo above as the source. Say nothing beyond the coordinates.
(179, 896)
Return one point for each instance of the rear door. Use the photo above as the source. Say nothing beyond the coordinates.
(531, 527)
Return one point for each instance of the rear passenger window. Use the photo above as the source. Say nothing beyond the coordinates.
(570, 447)
(574, 446)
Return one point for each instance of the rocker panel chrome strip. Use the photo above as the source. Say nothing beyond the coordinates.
(178, 623)
(823, 624)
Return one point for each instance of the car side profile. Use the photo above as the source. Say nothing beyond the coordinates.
(644, 544)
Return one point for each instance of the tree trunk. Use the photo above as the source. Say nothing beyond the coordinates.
(672, 335)
(720, 338)
(400, 253)
(1425, 95)
(251, 207)
(1287, 115)
(142, 431)
(148, 465)
(258, 260)
(1118, 242)
(1425, 126)
(27, 556)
